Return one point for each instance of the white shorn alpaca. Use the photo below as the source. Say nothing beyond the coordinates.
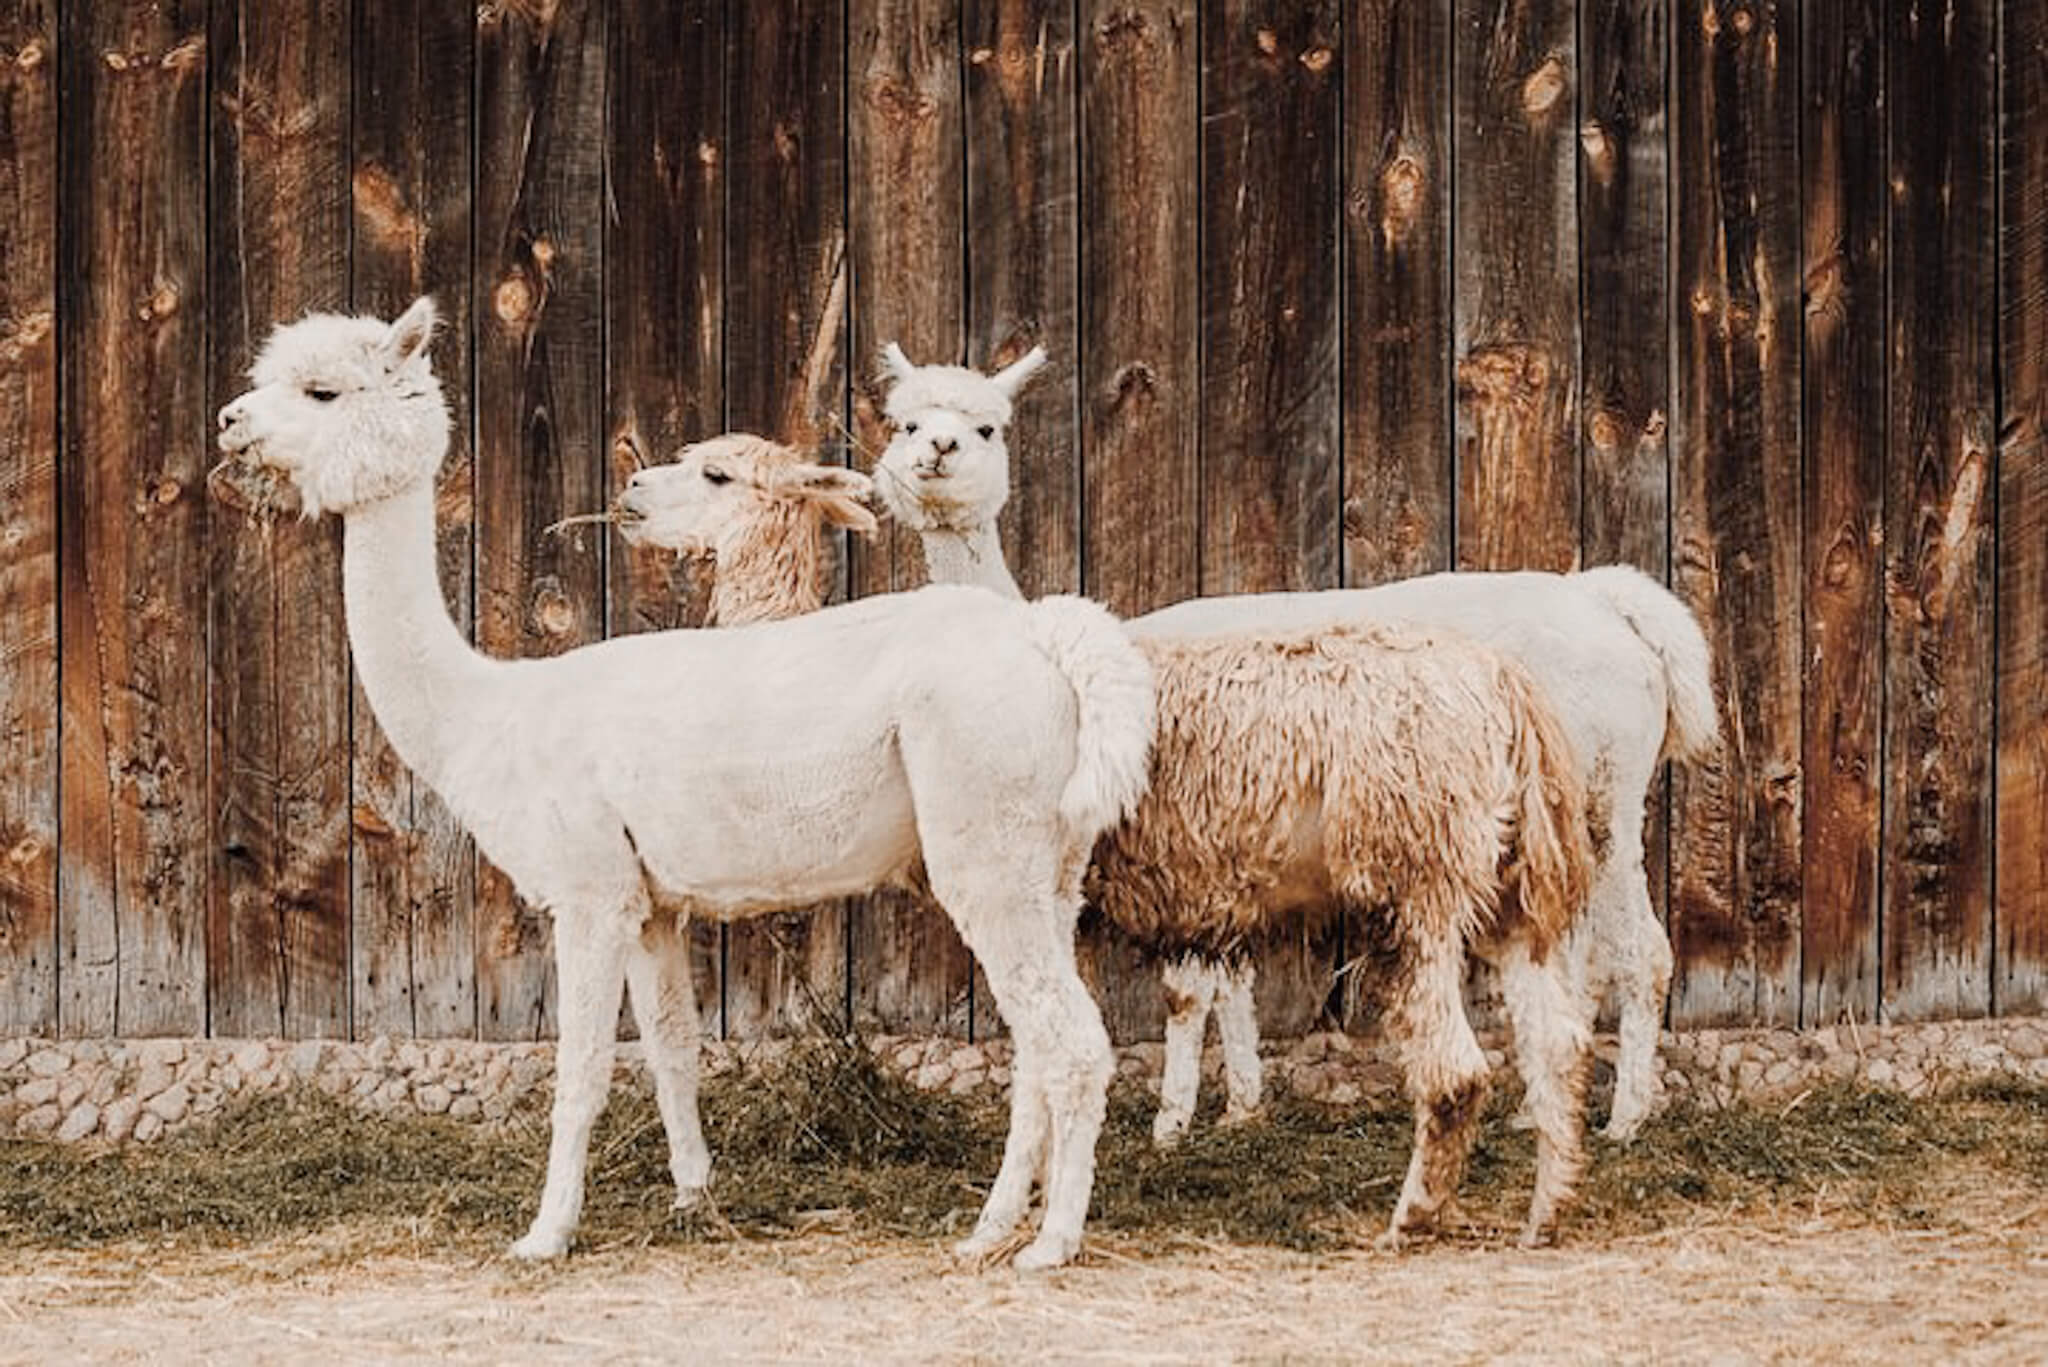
(1620, 659)
(754, 508)
(704, 770)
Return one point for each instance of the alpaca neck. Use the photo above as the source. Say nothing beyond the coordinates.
(420, 675)
(769, 570)
(972, 555)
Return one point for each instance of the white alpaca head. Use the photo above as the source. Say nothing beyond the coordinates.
(345, 411)
(736, 488)
(947, 467)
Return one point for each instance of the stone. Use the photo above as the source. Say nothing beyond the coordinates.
(1880, 1073)
(155, 1076)
(79, 1122)
(432, 1099)
(1344, 1094)
(148, 1126)
(106, 1085)
(40, 1122)
(466, 1107)
(929, 1076)
(168, 1052)
(48, 1063)
(411, 1057)
(389, 1094)
(2027, 1043)
(118, 1119)
(1779, 1073)
(72, 1089)
(229, 1078)
(12, 1052)
(41, 1092)
(251, 1056)
(171, 1103)
(306, 1057)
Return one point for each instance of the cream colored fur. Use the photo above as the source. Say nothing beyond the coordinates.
(1621, 660)
(705, 771)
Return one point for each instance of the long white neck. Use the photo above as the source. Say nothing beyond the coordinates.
(972, 556)
(421, 677)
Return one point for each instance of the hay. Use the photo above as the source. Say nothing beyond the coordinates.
(828, 1139)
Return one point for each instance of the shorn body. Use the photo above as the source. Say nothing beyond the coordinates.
(628, 785)
(1621, 661)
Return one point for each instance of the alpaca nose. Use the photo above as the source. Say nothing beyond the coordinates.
(945, 446)
(230, 414)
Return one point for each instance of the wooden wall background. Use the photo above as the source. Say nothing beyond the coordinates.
(1751, 293)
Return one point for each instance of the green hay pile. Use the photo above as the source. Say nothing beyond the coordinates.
(827, 1138)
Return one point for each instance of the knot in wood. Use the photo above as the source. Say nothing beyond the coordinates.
(1131, 382)
(1604, 429)
(25, 852)
(1268, 41)
(543, 253)
(381, 210)
(1742, 21)
(707, 154)
(1317, 59)
(1505, 373)
(1124, 28)
(167, 491)
(1401, 187)
(1599, 148)
(162, 303)
(30, 57)
(513, 299)
(1544, 87)
(553, 614)
(899, 102)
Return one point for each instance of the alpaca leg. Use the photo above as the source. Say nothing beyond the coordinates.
(590, 964)
(664, 998)
(1237, 1024)
(1446, 1073)
(1553, 1040)
(1076, 1092)
(1023, 1158)
(1190, 985)
(1645, 983)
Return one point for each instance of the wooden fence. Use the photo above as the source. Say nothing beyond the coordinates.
(1750, 293)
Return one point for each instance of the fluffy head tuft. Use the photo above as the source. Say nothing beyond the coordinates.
(346, 410)
(947, 466)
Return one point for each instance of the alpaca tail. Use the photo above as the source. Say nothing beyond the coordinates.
(1553, 851)
(1692, 727)
(1112, 683)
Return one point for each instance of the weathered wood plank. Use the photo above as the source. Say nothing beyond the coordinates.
(28, 512)
(1735, 452)
(277, 941)
(540, 451)
(1625, 317)
(414, 868)
(1397, 303)
(132, 866)
(2021, 956)
(1517, 284)
(664, 305)
(1843, 189)
(1270, 477)
(786, 369)
(1140, 355)
(906, 176)
(1268, 399)
(1939, 96)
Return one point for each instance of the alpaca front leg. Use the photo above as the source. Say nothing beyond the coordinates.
(1190, 986)
(1237, 1025)
(589, 973)
(664, 997)
(1076, 1087)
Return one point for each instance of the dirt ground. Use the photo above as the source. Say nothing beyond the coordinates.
(1792, 1289)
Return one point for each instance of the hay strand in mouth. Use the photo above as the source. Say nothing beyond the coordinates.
(611, 517)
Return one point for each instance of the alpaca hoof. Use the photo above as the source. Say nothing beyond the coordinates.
(539, 1244)
(1045, 1252)
(1534, 1236)
(1168, 1130)
(1390, 1241)
(978, 1248)
(1234, 1116)
(1622, 1130)
(690, 1197)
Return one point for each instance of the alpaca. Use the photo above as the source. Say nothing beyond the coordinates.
(753, 508)
(688, 770)
(1621, 660)
(1414, 777)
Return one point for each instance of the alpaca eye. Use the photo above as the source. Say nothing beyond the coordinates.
(909, 429)
(714, 475)
(986, 431)
(319, 395)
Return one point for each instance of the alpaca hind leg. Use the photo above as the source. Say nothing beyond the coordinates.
(590, 963)
(1644, 984)
(664, 998)
(1553, 1039)
(1076, 1092)
(1446, 1075)
(1237, 1024)
(1190, 985)
(1024, 1153)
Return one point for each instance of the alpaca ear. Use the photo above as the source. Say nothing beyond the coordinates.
(1011, 377)
(895, 364)
(841, 495)
(409, 336)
